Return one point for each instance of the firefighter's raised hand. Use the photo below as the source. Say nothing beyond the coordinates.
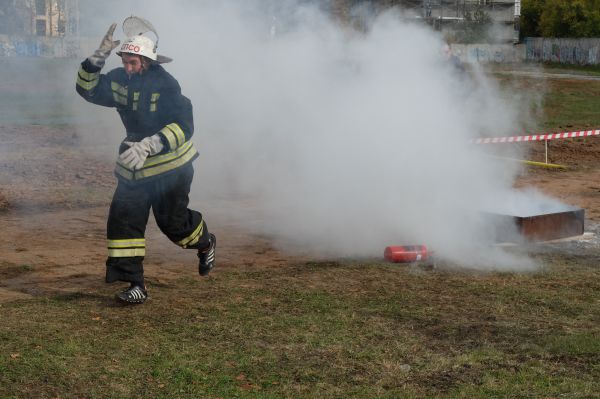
(135, 156)
(106, 46)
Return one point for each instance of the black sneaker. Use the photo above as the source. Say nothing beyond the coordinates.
(134, 295)
(207, 257)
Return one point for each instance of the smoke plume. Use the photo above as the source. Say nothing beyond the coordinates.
(335, 141)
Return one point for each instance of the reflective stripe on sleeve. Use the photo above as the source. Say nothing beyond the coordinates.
(87, 80)
(87, 85)
(159, 164)
(89, 76)
(174, 135)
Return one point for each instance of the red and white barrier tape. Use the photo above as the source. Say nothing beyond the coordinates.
(536, 137)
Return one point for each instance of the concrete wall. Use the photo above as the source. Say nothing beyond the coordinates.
(564, 51)
(489, 53)
(40, 46)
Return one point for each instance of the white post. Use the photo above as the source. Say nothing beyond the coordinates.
(546, 145)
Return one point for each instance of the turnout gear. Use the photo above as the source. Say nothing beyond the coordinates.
(207, 256)
(128, 216)
(135, 294)
(148, 103)
(154, 169)
(136, 155)
(106, 46)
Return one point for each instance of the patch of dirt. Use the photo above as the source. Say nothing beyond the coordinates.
(4, 205)
(53, 233)
(55, 197)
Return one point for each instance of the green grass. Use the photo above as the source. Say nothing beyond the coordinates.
(593, 70)
(557, 104)
(339, 329)
(572, 105)
(357, 330)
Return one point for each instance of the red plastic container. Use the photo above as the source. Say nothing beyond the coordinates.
(406, 253)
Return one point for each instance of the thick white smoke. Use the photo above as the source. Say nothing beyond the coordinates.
(341, 142)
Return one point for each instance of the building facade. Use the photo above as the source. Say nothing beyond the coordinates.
(448, 16)
(39, 28)
(44, 18)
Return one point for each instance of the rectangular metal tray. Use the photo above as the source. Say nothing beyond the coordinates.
(543, 227)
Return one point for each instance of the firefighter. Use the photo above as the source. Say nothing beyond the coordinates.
(154, 167)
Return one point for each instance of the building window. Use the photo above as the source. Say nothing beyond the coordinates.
(40, 7)
(40, 27)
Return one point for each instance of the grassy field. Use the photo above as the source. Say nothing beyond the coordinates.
(337, 329)
(330, 330)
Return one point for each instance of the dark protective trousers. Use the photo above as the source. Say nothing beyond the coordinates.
(128, 216)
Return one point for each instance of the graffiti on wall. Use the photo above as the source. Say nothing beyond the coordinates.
(13, 46)
(488, 53)
(564, 51)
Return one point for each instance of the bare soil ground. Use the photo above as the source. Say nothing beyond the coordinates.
(54, 201)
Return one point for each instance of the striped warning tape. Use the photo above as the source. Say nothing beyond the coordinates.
(536, 137)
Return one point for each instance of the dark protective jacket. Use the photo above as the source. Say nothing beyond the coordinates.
(147, 103)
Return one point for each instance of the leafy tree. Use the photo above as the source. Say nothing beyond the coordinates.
(531, 11)
(560, 18)
(476, 27)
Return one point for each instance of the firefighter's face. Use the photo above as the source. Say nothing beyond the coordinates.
(132, 63)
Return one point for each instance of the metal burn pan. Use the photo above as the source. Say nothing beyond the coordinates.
(542, 227)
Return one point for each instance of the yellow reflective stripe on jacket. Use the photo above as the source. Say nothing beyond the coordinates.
(89, 76)
(87, 85)
(174, 135)
(160, 163)
(126, 248)
(168, 157)
(194, 237)
(153, 101)
(87, 80)
(136, 98)
(119, 93)
(119, 99)
(117, 88)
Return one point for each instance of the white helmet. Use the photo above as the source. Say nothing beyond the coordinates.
(139, 45)
(134, 27)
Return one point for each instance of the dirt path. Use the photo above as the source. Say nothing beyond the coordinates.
(53, 216)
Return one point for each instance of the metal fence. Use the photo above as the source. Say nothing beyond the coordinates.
(563, 51)
(489, 53)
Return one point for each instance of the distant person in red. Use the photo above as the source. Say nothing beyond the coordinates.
(154, 168)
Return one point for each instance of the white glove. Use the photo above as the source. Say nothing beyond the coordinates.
(106, 46)
(135, 156)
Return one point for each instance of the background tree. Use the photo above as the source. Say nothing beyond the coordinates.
(475, 28)
(573, 18)
(531, 11)
(560, 18)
